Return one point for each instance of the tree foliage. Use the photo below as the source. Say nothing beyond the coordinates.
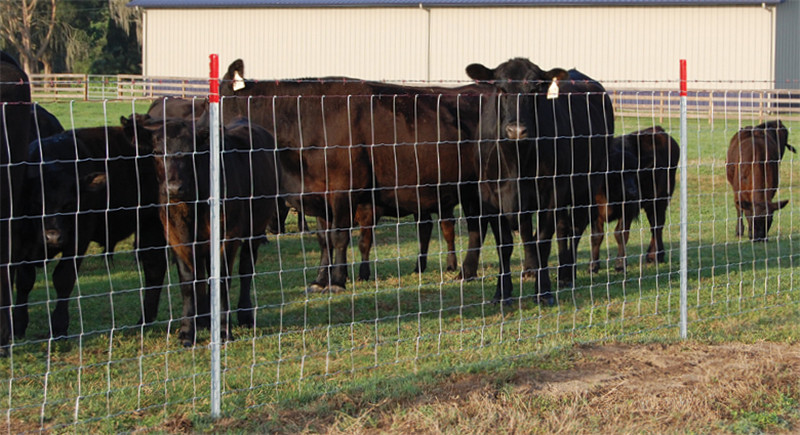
(75, 36)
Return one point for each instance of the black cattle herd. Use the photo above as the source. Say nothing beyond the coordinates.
(519, 143)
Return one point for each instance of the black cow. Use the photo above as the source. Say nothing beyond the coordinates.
(656, 154)
(43, 123)
(555, 132)
(349, 145)
(88, 185)
(753, 171)
(15, 97)
(250, 202)
(184, 108)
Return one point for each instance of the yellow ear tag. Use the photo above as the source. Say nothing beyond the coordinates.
(238, 81)
(552, 91)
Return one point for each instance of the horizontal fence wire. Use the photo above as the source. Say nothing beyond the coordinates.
(346, 240)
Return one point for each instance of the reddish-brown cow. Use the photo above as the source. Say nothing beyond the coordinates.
(754, 156)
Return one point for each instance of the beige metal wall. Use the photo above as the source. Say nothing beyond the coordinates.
(287, 43)
(725, 46)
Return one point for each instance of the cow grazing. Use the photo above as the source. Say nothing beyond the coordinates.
(556, 126)
(349, 145)
(656, 156)
(250, 202)
(87, 185)
(754, 156)
(15, 97)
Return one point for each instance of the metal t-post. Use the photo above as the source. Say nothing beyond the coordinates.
(684, 203)
(214, 206)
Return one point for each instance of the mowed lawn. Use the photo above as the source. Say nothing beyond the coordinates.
(385, 336)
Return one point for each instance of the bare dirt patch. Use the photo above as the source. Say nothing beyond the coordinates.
(654, 388)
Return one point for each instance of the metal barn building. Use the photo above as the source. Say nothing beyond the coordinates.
(734, 44)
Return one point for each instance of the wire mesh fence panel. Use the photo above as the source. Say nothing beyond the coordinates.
(356, 249)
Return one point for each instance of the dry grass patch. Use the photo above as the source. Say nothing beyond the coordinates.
(622, 388)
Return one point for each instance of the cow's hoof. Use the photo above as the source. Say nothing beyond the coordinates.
(546, 300)
(334, 288)
(565, 283)
(467, 276)
(529, 274)
(315, 288)
(594, 268)
(505, 302)
(620, 265)
(186, 339)
(246, 318)
(4, 352)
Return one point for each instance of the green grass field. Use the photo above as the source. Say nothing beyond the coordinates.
(399, 332)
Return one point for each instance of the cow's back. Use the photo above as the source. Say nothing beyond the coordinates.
(130, 182)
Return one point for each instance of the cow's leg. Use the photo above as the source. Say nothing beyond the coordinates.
(5, 308)
(656, 215)
(64, 277)
(326, 250)
(505, 246)
(192, 297)
(448, 226)
(152, 254)
(340, 239)
(247, 262)
(739, 221)
(424, 230)
(25, 280)
(365, 217)
(229, 251)
(476, 227)
(528, 244)
(565, 230)
(598, 233)
(544, 237)
(621, 234)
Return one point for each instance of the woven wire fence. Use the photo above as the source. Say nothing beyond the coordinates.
(121, 207)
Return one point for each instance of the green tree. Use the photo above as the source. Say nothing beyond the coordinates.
(79, 36)
(28, 26)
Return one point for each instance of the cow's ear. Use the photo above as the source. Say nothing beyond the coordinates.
(556, 73)
(746, 205)
(237, 66)
(134, 128)
(775, 206)
(477, 71)
(94, 182)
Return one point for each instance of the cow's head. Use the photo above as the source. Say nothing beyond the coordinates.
(517, 81)
(59, 186)
(180, 151)
(508, 126)
(622, 176)
(760, 216)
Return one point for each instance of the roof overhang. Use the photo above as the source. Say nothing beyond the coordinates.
(209, 4)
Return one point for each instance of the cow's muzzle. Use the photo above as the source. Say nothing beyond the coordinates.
(53, 238)
(516, 131)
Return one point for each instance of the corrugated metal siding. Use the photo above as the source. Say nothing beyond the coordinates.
(787, 45)
(728, 46)
(285, 43)
(612, 44)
